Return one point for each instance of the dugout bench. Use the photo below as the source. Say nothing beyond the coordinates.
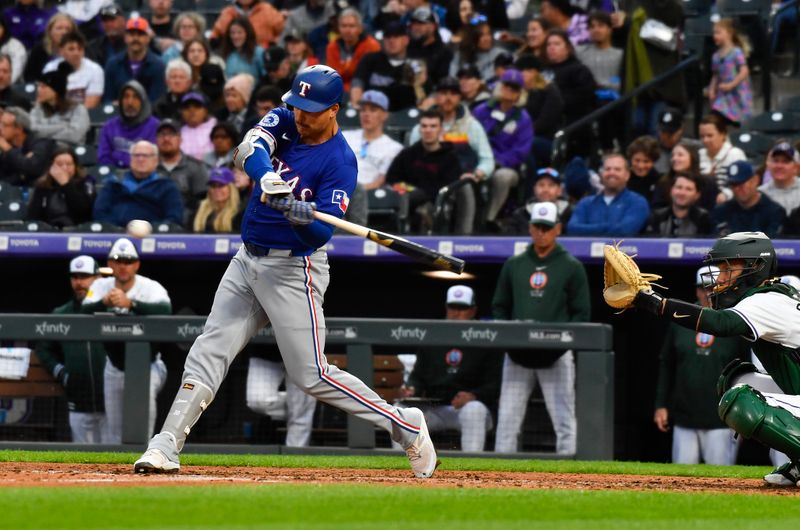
(590, 342)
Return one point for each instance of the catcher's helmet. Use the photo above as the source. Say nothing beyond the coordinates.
(315, 88)
(760, 264)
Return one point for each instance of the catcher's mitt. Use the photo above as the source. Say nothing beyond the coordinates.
(622, 278)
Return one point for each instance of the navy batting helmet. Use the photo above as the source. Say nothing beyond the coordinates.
(315, 89)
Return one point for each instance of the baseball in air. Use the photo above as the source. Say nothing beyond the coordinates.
(139, 228)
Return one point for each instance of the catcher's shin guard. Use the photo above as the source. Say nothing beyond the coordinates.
(192, 399)
(746, 411)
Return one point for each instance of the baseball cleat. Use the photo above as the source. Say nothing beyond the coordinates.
(161, 456)
(421, 453)
(785, 476)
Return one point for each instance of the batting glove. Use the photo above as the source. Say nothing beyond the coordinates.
(300, 212)
(275, 192)
(282, 203)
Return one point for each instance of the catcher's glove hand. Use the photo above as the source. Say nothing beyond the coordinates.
(622, 278)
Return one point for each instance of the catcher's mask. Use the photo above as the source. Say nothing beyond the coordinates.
(751, 253)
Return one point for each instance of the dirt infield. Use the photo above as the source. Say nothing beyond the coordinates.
(16, 474)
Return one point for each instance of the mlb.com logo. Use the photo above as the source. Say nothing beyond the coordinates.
(341, 199)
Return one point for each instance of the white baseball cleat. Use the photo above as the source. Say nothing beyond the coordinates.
(161, 456)
(421, 453)
(785, 476)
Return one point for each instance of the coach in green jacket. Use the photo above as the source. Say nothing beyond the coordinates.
(78, 366)
(543, 284)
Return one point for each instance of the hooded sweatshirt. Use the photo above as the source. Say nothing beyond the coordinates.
(120, 132)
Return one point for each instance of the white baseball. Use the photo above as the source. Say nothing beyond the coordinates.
(139, 228)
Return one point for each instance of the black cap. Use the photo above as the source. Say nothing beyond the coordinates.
(395, 28)
(503, 59)
(449, 83)
(670, 120)
(111, 11)
(424, 15)
(169, 123)
(273, 57)
(469, 70)
(295, 34)
(528, 62)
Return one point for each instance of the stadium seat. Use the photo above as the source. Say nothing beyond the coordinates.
(693, 8)
(697, 32)
(87, 155)
(775, 122)
(95, 227)
(753, 143)
(9, 192)
(99, 115)
(791, 104)
(12, 210)
(168, 228)
(348, 118)
(735, 8)
(383, 209)
(39, 226)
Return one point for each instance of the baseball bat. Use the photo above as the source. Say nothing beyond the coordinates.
(398, 244)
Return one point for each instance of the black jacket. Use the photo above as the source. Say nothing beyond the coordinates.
(22, 165)
(546, 108)
(427, 170)
(437, 58)
(577, 85)
(664, 224)
(375, 72)
(61, 206)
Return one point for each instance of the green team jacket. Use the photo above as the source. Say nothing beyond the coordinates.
(689, 366)
(441, 373)
(549, 289)
(83, 362)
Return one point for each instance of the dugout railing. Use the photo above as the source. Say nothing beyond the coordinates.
(592, 344)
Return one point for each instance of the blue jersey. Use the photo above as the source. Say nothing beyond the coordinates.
(325, 174)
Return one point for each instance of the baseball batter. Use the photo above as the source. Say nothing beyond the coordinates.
(280, 274)
(748, 300)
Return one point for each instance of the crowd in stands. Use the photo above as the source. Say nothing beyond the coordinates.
(452, 108)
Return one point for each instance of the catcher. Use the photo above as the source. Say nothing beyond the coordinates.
(747, 299)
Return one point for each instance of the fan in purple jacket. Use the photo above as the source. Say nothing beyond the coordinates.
(135, 122)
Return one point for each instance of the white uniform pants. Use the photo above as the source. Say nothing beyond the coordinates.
(716, 446)
(113, 389)
(87, 427)
(558, 388)
(263, 379)
(472, 420)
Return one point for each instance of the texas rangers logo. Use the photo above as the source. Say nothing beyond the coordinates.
(304, 88)
(341, 199)
(704, 340)
(454, 357)
(538, 280)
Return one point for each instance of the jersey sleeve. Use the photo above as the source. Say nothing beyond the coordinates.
(334, 192)
(770, 316)
(273, 133)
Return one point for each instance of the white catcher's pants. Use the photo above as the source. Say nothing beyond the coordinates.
(717, 446)
(113, 389)
(558, 388)
(87, 427)
(473, 420)
(263, 379)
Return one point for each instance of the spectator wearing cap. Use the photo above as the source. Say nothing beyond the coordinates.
(10, 96)
(614, 211)
(510, 131)
(27, 20)
(197, 125)
(112, 40)
(78, 365)
(563, 15)
(178, 76)
(188, 25)
(461, 384)
(56, 117)
(689, 365)
(134, 122)
(547, 187)
(473, 89)
(23, 155)
(225, 137)
(218, 211)
(717, 152)
(137, 62)
(298, 51)
(422, 169)
(683, 217)
(502, 62)
(62, 196)
(306, 17)
(161, 22)
(141, 193)
(749, 210)
(237, 93)
(670, 132)
(391, 71)
(783, 162)
(477, 47)
(59, 25)
(267, 21)
(86, 82)
(188, 174)
(543, 284)
(427, 45)
(240, 51)
(127, 293)
(279, 71)
(545, 106)
(345, 53)
(374, 150)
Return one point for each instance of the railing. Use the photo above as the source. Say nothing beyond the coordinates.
(590, 342)
(562, 136)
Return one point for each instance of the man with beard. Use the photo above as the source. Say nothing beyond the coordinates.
(135, 122)
(136, 62)
(427, 45)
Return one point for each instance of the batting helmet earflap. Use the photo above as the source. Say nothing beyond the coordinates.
(315, 88)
